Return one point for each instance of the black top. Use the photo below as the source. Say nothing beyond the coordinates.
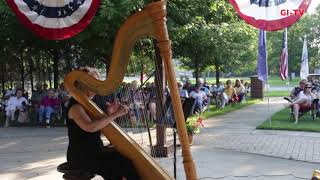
(296, 91)
(83, 145)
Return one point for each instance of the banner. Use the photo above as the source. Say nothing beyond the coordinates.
(270, 15)
(304, 71)
(55, 19)
(284, 56)
(262, 57)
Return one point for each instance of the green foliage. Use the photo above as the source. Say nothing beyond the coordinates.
(193, 125)
(207, 35)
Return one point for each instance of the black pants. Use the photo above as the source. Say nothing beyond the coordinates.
(111, 165)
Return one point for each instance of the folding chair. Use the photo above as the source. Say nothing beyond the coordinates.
(311, 112)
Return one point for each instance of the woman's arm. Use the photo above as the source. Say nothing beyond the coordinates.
(82, 119)
(234, 92)
(300, 100)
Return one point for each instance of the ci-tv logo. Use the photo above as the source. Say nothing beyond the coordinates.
(289, 12)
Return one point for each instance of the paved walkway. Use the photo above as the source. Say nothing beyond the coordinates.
(236, 131)
(234, 137)
(228, 148)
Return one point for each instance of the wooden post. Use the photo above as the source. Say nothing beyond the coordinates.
(161, 149)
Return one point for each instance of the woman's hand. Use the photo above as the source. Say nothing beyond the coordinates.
(112, 107)
(121, 111)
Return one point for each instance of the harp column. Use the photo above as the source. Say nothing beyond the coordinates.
(162, 148)
(164, 44)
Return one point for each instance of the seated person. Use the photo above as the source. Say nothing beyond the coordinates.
(240, 90)
(136, 102)
(229, 94)
(183, 93)
(47, 106)
(200, 97)
(150, 98)
(86, 149)
(205, 89)
(303, 102)
(217, 91)
(15, 103)
(296, 90)
(188, 86)
(36, 97)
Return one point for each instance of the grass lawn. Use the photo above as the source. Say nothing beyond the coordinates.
(277, 94)
(216, 112)
(281, 121)
(276, 81)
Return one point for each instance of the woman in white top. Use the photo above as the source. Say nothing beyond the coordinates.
(303, 103)
(15, 103)
(240, 90)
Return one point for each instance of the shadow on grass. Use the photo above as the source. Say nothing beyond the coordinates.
(282, 121)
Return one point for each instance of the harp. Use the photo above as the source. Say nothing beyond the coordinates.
(149, 22)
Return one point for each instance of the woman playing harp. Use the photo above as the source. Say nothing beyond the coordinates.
(85, 149)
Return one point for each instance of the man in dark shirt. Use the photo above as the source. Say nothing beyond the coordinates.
(37, 95)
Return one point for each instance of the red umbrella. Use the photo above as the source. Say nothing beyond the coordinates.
(55, 19)
(271, 15)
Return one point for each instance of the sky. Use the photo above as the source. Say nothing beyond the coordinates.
(313, 5)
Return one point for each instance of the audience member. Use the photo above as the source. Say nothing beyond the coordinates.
(16, 104)
(48, 106)
(240, 90)
(229, 95)
(188, 86)
(183, 93)
(302, 102)
(199, 97)
(294, 95)
(12, 92)
(217, 92)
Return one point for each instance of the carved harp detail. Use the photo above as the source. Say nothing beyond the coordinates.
(151, 22)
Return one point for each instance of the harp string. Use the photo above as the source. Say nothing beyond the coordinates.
(141, 121)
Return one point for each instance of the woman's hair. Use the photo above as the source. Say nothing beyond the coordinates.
(91, 71)
(19, 89)
(307, 85)
(238, 83)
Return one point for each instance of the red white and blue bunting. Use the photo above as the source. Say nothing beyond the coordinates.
(55, 19)
(271, 15)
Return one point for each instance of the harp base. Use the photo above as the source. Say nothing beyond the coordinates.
(162, 150)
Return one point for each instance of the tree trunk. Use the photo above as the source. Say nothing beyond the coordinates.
(56, 69)
(49, 72)
(3, 81)
(217, 66)
(197, 71)
(31, 69)
(42, 77)
(11, 80)
(22, 69)
(68, 62)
